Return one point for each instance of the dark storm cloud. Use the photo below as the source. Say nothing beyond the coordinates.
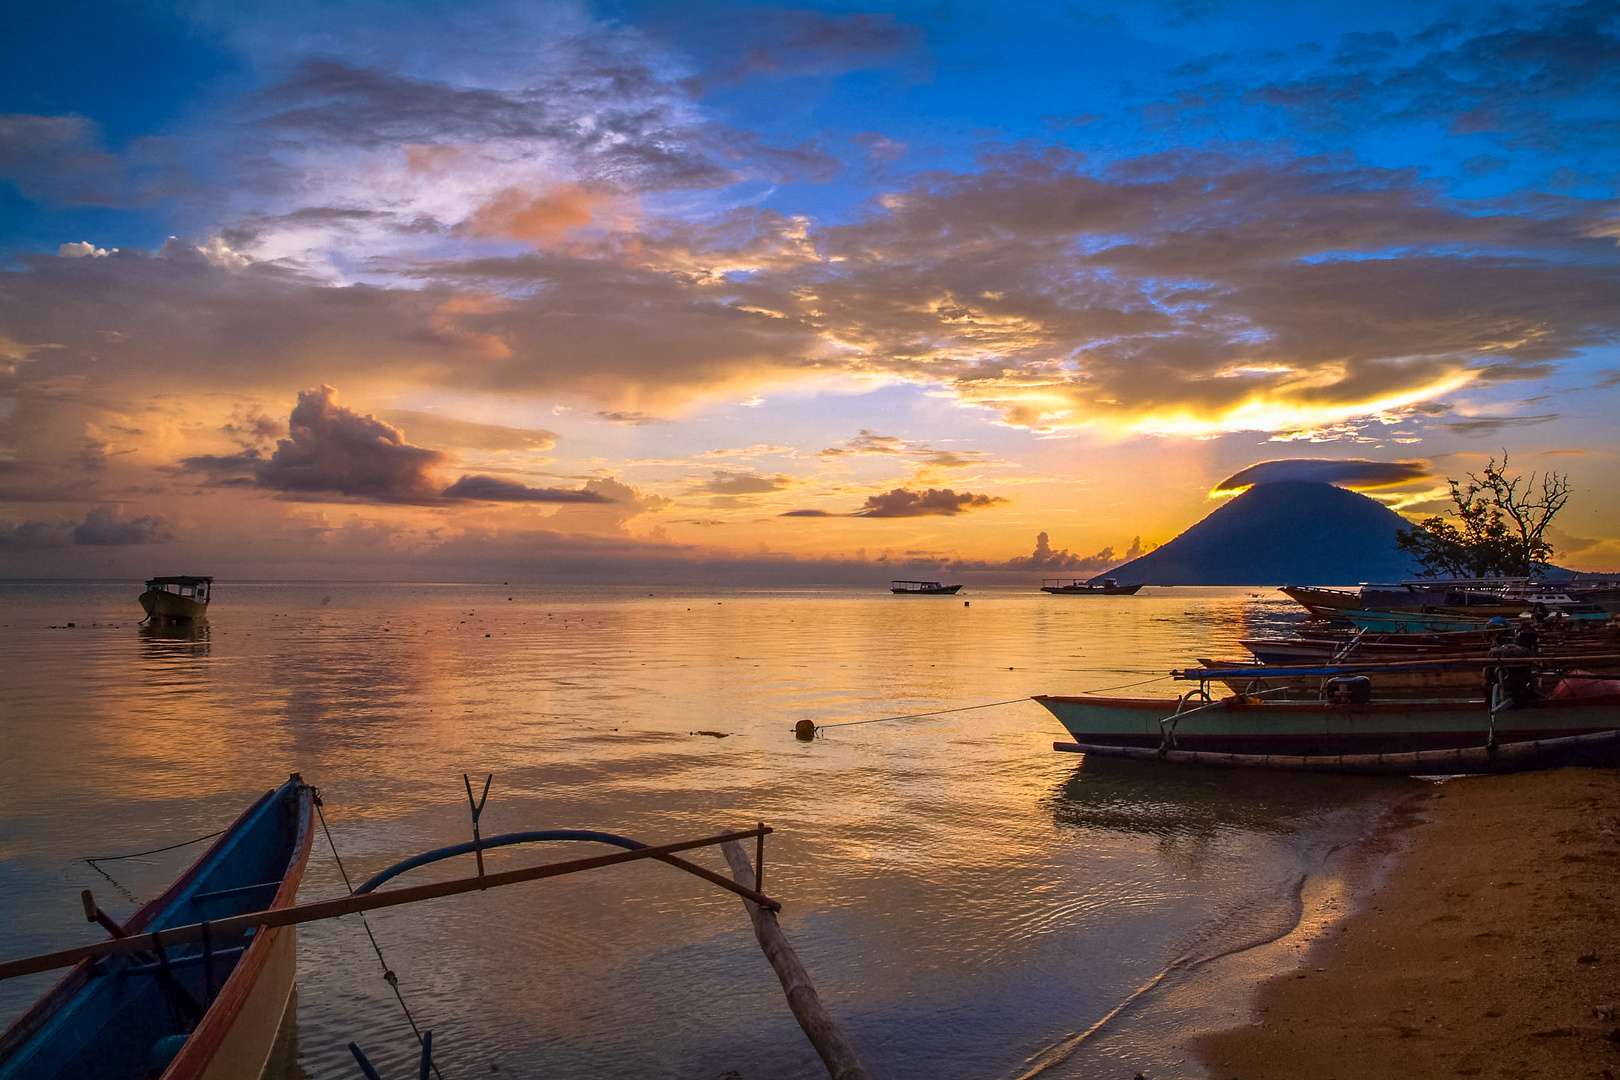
(333, 450)
(901, 502)
(494, 489)
(1357, 473)
(103, 527)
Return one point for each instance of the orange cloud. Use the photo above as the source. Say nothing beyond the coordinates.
(432, 157)
(515, 214)
(445, 327)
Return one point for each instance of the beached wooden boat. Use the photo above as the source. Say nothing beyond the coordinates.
(1324, 602)
(1076, 587)
(922, 588)
(209, 1010)
(1249, 725)
(177, 599)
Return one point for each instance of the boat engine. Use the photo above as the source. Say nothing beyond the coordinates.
(1348, 690)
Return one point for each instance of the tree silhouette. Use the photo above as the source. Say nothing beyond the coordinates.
(1502, 529)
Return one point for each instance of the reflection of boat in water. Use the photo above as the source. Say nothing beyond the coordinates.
(177, 599)
(201, 1011)
(1076, 587)
(922, 588)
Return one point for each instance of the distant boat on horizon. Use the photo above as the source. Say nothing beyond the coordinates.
(922, 588)
(1077, 587)
(177, 599)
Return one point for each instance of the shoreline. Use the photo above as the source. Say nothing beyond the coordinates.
(1485, 942)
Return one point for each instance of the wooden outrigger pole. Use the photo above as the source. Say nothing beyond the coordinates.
(157, 941)
(823, 1032)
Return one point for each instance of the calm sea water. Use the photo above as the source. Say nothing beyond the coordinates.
(968, 901)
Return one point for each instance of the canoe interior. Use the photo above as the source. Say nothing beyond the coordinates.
(107, 1021)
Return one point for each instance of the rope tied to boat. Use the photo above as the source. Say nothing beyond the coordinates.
(914, 716)
(388, 973)
(127, 895)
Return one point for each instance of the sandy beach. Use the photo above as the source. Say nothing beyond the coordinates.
(1490, 947)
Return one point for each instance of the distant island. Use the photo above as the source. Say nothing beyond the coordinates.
(1286, 532)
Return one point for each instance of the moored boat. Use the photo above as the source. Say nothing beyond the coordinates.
(1077, 587)
(177, 599)
(1323, 602)
(204, 1011)
(922, 588)
(1250, 725)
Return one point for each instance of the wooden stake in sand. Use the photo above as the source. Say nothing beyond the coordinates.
(819, 1027)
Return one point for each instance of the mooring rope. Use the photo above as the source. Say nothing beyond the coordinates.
(1127, 686)
(136, 855)
(388, 973)
(931, 712)
(987, 705)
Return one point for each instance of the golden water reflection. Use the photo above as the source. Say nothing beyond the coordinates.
(963, 895)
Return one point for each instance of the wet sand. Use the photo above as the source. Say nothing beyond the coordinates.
(1490, 947)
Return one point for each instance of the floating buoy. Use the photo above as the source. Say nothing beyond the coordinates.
(804, 730)
(967, 603)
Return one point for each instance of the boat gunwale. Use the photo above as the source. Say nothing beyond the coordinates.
(47, 1007)
(204, 1041)
(1238, 701)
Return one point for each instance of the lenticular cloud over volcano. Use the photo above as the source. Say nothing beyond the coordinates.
(1353, 473)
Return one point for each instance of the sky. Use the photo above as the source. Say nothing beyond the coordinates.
(787, 294)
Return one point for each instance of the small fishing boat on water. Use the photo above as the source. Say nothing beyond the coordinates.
(1077, 587)
(923, 588)
(177, 599)
(209, 1010)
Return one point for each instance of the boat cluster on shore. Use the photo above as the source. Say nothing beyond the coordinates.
(1440, 668)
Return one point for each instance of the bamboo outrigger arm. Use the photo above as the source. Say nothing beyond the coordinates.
(157, 941)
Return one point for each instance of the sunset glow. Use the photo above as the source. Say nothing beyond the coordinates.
(568, 289)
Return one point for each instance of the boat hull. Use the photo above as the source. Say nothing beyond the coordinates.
(111, 1019)
(1091, 590)
(166, 607)
(1313, 728)
(940, 590)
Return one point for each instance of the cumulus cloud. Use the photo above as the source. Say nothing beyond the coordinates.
(1044, 558)
(102, 527)
(1354, 473)
(35, 535)
(901, 502)
(333, 450)
(493, 489)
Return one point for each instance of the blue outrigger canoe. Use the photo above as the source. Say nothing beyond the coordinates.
(202, 1011)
